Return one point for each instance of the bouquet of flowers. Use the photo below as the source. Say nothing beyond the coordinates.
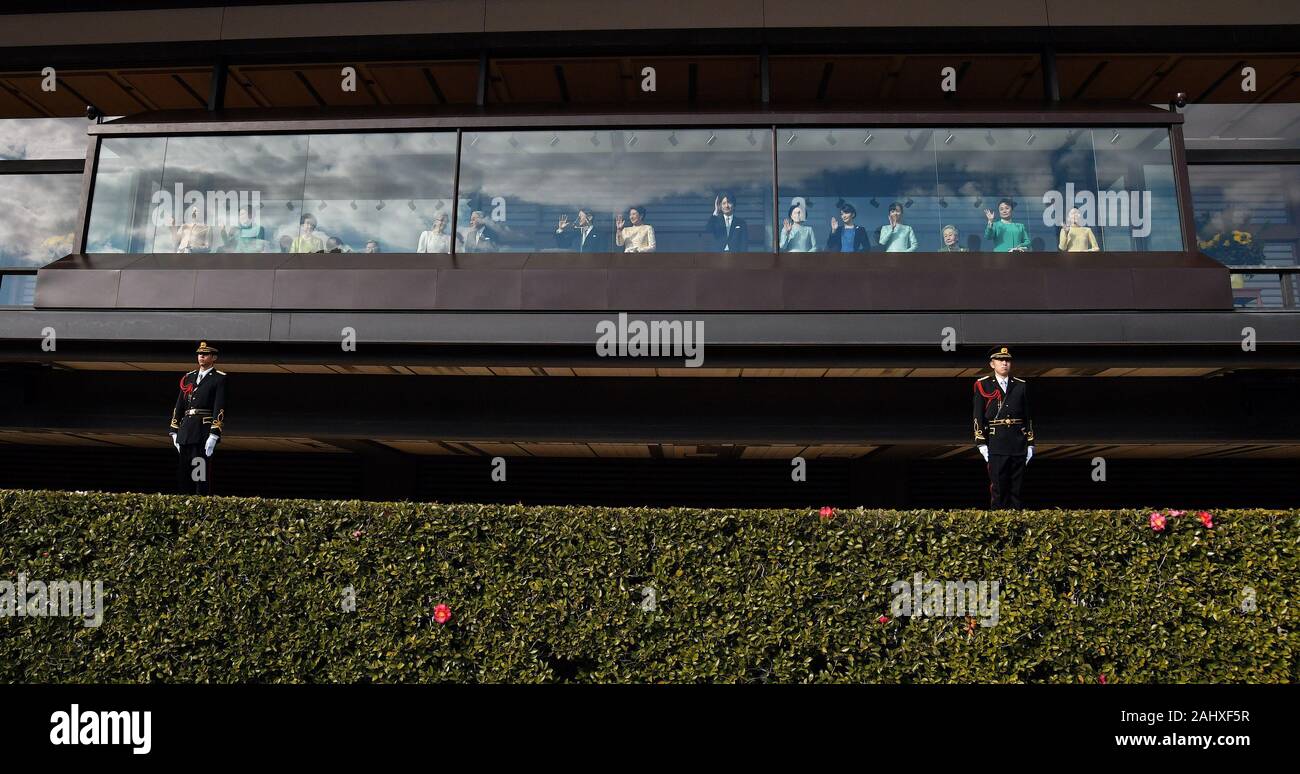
(1233, 248)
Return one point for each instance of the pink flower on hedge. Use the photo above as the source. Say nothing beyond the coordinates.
(884, 619)
(356, 534)
(1206, 519)
(442, 614)
(1175, 514)
(1101, 679)
(1158, 522)
(827, 513)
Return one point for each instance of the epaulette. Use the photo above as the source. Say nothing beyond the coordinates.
(223, 373)
(1018, 379)
(982, 378)
(192, 372)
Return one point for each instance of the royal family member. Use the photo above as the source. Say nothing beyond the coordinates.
(797, 236)
(247, 237)
(1007, 236)
(897, 237)
(435, 239)
(846, 237)
(584, 237)
(952, 241)
(480, 237)
(194, 236)
(197, 421)
(1004, 432)
(307, 241)
(1076, 237)
(636, 238)
(727, 232)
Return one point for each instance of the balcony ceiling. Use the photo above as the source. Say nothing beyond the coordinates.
(828, 81)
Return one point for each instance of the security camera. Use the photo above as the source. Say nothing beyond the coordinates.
(1180, 100)
(92, 113)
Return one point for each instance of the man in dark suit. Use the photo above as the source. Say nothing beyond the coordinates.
(727, 233)
(585, 237)
(845, 237)
(1004, 431)
(197, 421)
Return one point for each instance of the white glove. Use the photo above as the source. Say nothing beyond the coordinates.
(1029, 454)
(174, 443)
(210, 446)
(984, 452)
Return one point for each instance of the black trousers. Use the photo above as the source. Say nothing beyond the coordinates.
(187, 470)
(1006, 472)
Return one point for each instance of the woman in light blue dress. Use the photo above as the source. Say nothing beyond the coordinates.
(897, 237)
(795, 236)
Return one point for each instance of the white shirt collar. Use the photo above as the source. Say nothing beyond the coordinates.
(205, 371)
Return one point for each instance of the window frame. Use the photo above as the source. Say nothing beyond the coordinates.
(303, 122)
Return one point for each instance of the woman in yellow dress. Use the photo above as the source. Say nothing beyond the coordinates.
(1076, 237)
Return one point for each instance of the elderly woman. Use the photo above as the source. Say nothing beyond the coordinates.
(436, 239)
(796, 236)
(952, 241)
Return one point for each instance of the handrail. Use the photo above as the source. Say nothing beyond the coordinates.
(1287, 289)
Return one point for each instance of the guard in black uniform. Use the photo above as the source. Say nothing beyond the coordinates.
(1004, 432)
(197, 421)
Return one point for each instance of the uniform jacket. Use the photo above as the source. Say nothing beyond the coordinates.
(991, 408)
(208, 399)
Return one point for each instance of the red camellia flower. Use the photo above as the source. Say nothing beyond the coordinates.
(1206, 519)
(1158, 522)
(442, 614)
(1101, 679)
(827, 512)
(884, 619)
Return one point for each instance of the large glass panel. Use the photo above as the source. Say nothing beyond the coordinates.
(693, 190)
(381, 192)
(1135, 172)
(1007, 189)
(17, 290)
(129, 174)
(858, 190)
(1247, 214)
(1242, 127)
(42, 138)
(229, 194)
(40, 218)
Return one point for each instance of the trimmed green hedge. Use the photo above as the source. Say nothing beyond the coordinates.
(248, 590)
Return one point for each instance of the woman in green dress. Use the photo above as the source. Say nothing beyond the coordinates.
(1007, 236)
